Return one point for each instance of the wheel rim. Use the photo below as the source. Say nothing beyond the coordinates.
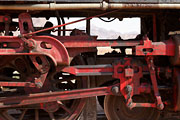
(115, 109)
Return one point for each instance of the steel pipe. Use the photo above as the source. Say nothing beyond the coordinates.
(101, 6)
(144, 6)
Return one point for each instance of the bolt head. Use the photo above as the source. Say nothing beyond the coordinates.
(115, 89)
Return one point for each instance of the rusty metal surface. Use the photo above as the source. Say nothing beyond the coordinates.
(54, 96)
(46, 77)
(19, 47)
(114, 109)
(155, 48)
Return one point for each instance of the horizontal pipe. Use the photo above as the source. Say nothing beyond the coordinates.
(144, 6)
(102, 6)
(51, 6)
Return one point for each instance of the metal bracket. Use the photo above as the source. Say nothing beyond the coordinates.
(43, 66)
(129, 74)
(151, 67)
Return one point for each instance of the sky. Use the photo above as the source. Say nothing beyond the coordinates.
(125, 26)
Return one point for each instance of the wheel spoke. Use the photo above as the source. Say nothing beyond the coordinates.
(71, 84)
(36, 114)
(64, 107)
(51, 115)
(22, 114)
(2, 117)
(7, 116)
(56, 81)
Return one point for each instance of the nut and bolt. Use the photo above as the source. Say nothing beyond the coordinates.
(115, 89)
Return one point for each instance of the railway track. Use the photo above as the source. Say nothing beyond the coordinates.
(172, 117)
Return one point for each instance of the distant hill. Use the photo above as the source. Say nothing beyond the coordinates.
(103, 33)
(97, 31)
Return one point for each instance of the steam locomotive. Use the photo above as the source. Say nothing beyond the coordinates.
(45, 76)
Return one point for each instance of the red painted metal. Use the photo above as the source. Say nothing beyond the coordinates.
(37, 48)
(89, 70)
(43, 66)
(165, 48)
(5, 18)
(54, 96)
(85, 41)
(151, 67)
(60, 49)
(147, 47)
(25, 23)
(17, 84)
(129, 74)
(57, 53)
